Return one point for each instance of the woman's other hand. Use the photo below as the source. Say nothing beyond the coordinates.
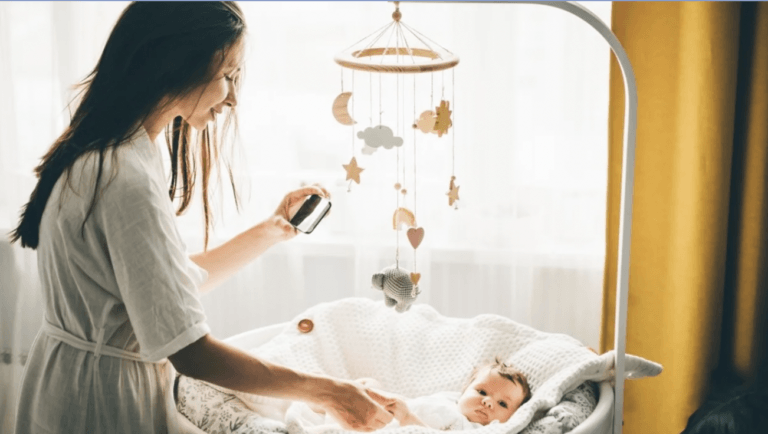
(350, 404)
(293, 200)
(278, 225)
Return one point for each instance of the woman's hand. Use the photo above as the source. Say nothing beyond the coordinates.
(396, 406)
(278, 225)
(350, 404)
(213, 361)
(399, 410)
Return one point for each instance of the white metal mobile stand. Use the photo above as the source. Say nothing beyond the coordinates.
(627, 183)
(599, 421)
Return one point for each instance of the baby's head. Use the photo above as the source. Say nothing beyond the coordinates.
(494, 392)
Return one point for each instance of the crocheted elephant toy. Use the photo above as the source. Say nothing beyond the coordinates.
(398, 289)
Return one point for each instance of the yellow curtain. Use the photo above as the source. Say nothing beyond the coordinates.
(699, 251)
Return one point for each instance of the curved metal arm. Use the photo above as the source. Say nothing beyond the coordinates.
(627, 185)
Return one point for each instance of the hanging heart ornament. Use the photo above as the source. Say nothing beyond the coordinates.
(415, 278)
(415, 235)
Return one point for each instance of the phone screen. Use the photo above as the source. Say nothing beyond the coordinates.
(311, 212)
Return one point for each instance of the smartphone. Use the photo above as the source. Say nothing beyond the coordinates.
(313, 210)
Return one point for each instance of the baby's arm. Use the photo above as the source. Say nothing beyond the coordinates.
(398, 408)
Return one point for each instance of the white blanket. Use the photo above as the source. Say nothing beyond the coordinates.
(439, 410)
(421, 352)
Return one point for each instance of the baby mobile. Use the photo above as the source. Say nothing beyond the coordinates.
(402, 51)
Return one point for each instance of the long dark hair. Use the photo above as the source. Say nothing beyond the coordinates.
(157, 53)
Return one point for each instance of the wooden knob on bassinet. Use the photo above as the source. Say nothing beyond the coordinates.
(305, 325)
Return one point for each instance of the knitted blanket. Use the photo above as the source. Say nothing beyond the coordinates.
(421, 352)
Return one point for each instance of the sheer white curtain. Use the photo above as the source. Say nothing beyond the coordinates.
(529, 140)
(45, 48)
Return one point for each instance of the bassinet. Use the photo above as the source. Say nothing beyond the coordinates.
(599, 422)
(413, 354)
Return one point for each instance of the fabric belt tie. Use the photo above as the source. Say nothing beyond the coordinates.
(98, 348)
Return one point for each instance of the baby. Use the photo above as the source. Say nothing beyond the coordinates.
(494, 392)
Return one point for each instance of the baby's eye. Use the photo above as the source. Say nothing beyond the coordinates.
(481, 391)
(229, 78)
(503, 404)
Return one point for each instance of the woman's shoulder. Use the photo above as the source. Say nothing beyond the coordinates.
(134, 165)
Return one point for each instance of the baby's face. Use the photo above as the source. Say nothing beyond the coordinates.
(490, 397)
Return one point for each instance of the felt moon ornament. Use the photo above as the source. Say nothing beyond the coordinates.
(341, 110)
(403, 216)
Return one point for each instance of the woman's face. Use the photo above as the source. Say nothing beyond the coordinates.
(204, 103)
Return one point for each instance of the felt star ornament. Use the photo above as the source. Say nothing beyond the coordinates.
(353, 170)
(443, 121)
(453, 194)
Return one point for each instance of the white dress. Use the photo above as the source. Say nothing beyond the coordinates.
(123, 289)
(441, 411)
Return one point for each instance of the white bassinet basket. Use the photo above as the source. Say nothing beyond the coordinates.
(413, 354)
(599, 422)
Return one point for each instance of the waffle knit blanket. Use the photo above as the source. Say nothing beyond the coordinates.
(421, 352)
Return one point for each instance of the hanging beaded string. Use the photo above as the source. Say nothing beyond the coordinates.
(397, 225)
(397, 16)
(432, 75)
(442, 83)
(380, 112)
(352, 109)
(399, 129)
(453, 138)
(370, 99)
(397, 170)
(432, 89)
(397, 84)
(413, 290)
(404, 191)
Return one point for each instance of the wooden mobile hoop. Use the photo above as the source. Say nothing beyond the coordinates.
(401, 55)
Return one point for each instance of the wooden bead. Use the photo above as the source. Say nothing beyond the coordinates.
(306, 325)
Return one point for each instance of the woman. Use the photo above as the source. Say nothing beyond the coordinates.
(121, 293)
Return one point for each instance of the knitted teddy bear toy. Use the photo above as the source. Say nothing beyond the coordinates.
(398, 289)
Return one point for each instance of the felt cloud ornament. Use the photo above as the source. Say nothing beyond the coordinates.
(379, 136)
(399, 290)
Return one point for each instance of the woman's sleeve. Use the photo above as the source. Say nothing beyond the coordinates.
(155, 277)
